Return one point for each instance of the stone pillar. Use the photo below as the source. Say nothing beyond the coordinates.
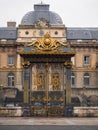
(97, 78)
(19, 73)
(68, 65)
(26, 83)
(68, 105)
(97, 72)
(18, 61)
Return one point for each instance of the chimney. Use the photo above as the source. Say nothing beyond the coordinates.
(11, 24)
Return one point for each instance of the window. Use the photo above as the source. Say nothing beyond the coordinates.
(11, 79)
(56, 33)
(11, 60)
(26, 32)
(72, 79)
(86, 79)
(41, 33)
(86, 60)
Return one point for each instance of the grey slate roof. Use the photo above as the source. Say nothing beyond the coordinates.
(8, 33)
(41, 11)
(82, 33)
(72, 33)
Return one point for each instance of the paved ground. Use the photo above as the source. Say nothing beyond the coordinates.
(48, 127)
(48, 121)
(32, 123)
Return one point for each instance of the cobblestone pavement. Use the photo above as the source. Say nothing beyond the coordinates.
(48, 121)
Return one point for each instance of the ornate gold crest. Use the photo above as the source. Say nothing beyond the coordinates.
(47, 43)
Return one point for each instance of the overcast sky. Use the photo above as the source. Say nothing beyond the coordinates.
(74, 13)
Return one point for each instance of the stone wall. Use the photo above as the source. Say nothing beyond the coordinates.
(11, 111)
(84, 91)
(85, 112)
(77, 112)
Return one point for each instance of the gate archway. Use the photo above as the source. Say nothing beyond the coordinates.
(47, 75)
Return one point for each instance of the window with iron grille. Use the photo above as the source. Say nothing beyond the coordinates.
(73, 79)
(86, 60)
(86, 79)
(11, 80)
(10, 60)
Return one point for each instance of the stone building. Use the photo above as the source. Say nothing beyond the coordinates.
(34, 26)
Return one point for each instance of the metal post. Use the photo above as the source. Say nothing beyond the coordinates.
(68, 86)
(68, 106)
(47, 85)
(68, 65)
(26, 83)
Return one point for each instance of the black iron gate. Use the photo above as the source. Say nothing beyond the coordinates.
(47, 104)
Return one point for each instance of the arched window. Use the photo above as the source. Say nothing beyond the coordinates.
(86, 79)
(72, 79)
(11, 79)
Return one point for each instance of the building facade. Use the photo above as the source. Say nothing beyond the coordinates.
(35, 25)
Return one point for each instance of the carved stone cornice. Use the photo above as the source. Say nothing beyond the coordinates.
(11, 69)
(85, 70)
(84, 45)
(49, 53)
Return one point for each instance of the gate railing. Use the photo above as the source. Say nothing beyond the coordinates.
(53, 106)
